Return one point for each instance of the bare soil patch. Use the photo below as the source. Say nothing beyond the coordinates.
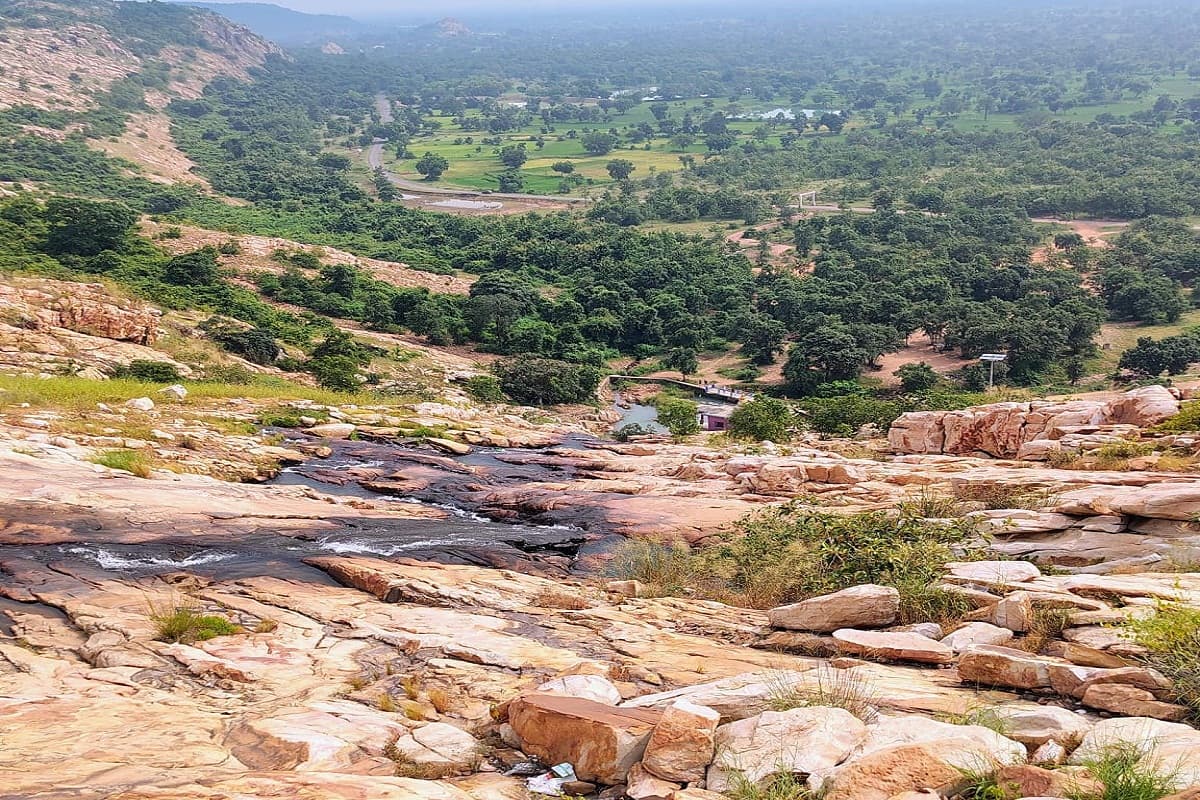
(255, 256)
(919, 350)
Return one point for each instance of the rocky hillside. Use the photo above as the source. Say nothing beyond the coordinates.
(62, 56)
(109, 69)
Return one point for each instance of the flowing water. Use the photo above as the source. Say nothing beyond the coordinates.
(464, 535)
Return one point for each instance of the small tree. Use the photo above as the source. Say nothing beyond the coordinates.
(677, 415)
(510, 181)
(916, 378)
(339, 373)
(619, 169)
(682, 359)
(563, 167)
(513, 156)
(761, 419)
(197, 268)
(598, 143)
(432, 165)
(545, 381)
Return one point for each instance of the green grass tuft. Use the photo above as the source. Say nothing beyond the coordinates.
(128, 460)
(186, 625)
(1128, 772)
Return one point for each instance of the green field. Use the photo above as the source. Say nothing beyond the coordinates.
(477, 166)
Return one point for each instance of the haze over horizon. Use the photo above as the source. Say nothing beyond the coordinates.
(488, 9)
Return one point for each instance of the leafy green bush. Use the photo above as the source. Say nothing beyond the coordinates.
(665, 569)
(545, 381)
(485, 388)
(843, 416)
(148, 371)
(788, 554)
(677, 415)
(761, 419)
(339, 373)
(1172, 637)
(918, 377)
(627, 432)
(1188, 418)
(289, 417)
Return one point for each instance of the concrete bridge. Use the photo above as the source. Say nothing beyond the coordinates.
(713, 391)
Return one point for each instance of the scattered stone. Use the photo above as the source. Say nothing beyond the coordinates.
(974, 633)
(683, 741)
(930, 630)
(866, 606)
(333, 430)
(990, 665)
(175, 390)
(140, 404)
(642, 785)
(993, 572)
(589, 687)
(448, 446)
(1172, 746)
(699, 794)
(961, 746)
(1084, 656)
(1014, 612)
(601, 742)
(885, 773)
(1027, 780)
(806, 740)
(893, 646)
(626, 588)
(801, 642)
(1036, 725)
(1050, 754)
(1131, 701)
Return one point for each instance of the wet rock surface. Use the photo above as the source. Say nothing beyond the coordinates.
(411, 619)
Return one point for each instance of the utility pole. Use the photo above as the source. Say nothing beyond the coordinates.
(992, 359)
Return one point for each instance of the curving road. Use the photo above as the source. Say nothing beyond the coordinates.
(375, 161)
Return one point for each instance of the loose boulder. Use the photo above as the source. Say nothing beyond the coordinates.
(1131, 701)
(682, 744)
(333, 430)
(601, 741)
(893, 645)
(811, 741)
(883, 774)
(976, 633)
(865, 606)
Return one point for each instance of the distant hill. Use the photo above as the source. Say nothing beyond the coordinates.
(281, 24)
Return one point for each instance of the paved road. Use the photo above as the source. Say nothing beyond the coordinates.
(375, 161)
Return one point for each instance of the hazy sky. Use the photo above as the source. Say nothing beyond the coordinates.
(489, 8)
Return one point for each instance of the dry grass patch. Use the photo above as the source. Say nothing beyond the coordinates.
(548, 597)
(823, 687)
(1000, 496)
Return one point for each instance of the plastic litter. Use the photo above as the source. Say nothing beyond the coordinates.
(545, 784)
(551, 783)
